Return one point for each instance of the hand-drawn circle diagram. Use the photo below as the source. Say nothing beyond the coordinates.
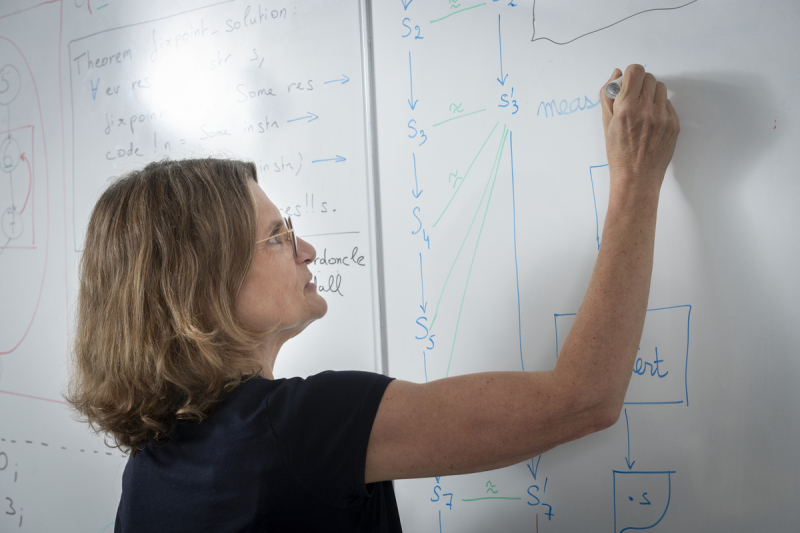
(9, 155)
(24, 231)
(12, 224)
(9, 84)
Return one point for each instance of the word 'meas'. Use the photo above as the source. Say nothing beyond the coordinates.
(550, 108)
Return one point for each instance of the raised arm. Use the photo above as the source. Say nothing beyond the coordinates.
(484, 421)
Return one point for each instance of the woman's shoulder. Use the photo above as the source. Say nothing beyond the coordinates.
(326, 386)
(326, 397)
(330, 385)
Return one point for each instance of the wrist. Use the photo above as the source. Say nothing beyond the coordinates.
(634, 194)
(636, 205)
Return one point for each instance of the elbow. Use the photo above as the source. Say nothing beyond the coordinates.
(609, 413)
(593, 408)
(593, 419)
(593, 416)
(603, 412)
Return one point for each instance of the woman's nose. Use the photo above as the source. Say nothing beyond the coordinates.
(305, 252)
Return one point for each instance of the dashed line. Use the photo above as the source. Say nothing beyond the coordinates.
(83, 450)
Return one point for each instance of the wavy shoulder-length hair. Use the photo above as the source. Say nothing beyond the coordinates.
(157, 337)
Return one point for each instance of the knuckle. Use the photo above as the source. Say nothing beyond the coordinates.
(635, 67)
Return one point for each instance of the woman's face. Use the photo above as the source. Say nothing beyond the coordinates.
(278, 290)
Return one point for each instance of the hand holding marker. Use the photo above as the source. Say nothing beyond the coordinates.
(641, 128)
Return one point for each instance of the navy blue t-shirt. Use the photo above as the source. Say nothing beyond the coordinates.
(275, 455)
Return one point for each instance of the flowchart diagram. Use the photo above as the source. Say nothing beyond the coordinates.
(24, 190)
(464, 201)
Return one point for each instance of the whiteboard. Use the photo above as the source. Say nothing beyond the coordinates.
(709, 445)
(496, 213)
(277, 83)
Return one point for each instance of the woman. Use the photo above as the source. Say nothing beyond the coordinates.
(190, 284)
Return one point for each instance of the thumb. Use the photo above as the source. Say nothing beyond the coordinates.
(608, 103)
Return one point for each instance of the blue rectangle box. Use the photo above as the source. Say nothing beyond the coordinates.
(661, 366)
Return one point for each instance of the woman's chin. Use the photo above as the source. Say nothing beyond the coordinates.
(321, 305)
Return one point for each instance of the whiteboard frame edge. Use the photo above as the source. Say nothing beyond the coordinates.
(381, 351)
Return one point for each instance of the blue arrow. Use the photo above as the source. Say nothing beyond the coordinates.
(406, 4)
(338, 159)
(416, 192)
(628, 428)
(309, 116)
(534, 470)
(500, 37)
(343, 80)
(424, 303)
(411, 102)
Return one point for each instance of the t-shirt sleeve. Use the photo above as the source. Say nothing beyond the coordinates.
(322, 426)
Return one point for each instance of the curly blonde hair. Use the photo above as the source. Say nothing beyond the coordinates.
(157, 338)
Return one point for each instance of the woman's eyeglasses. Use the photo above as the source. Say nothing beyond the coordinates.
(290, 231)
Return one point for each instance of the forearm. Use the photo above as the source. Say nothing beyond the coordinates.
(483, 421)
(597, 357)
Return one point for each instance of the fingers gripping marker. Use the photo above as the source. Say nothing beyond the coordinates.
(613, 88)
